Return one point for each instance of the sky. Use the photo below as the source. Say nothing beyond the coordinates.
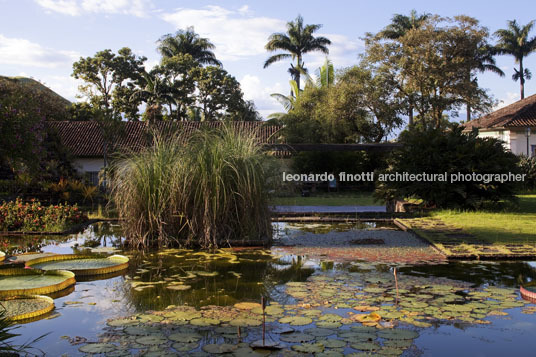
(42, 38)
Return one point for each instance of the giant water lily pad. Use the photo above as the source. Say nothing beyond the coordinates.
(17, 281)
(80, 264)
(26, 307)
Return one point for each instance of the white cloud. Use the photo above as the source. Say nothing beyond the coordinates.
(511, 97)
(236, 34)
(254, 90)
(22, 52)
(343, 52)
(139, 8)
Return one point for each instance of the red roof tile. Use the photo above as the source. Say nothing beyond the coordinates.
(519, 114)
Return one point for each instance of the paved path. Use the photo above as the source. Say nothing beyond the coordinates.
(328, 209)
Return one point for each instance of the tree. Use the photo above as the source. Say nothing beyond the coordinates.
(399, 27)
(515, 41)
(155, 92)
(188, 42)
(432, 66)
(436, 151)
(218, 93)
(108, 79)
(297, 41)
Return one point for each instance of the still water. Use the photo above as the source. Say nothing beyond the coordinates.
(463, 308)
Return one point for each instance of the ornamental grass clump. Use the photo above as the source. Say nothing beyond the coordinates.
(203, 191)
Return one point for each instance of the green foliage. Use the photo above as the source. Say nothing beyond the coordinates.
(297, 41)
(32, 216)
(515, 41)
(435, 151)
(187, 42)
(359, 107)
(433, 61)
(528, 167)
(201, 193)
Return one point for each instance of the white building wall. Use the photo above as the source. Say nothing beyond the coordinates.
(84, 165)
(519, 142)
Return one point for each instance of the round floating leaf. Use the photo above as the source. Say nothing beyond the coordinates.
(19, 281)
(204, 321)
(26, 307)
(97, 348)
(320, 332)
(185, 337)
(333, 343)
(328, 324)
(185, 346)
(296, 320)
(151, 340)
(80, 264)
(245, 322)
(219, 348)
(141, 330)
(365, 346)
(330, 317)
(247, 305)
(387, 351)
(296, 337)
(183, 315)
(309, 348)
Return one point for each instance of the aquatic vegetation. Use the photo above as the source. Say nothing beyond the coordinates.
(81, 264)
(26, 307)
(204, 191)
(18, 281)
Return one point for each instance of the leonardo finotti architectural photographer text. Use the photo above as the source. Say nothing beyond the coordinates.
(405, 176)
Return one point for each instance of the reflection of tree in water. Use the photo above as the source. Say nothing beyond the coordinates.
(102, 234)
(254, 276)
(508, 274)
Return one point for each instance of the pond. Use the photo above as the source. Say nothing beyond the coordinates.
(321, 298)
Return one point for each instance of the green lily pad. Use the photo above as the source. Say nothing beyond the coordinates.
(219, 348)
(151, 340)
(97, 348)
(365, 346)
(204, 321)
(185, 337)
(320, 332)
(185, 346)
(309, 348)
(333, 343)
(296, 320)
(245, 322)
(297, 337)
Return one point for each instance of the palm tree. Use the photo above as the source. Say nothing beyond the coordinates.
(399, 26)
(297, 41)
(484, 61)
(188, 42)
(515, 41)
(155, 92)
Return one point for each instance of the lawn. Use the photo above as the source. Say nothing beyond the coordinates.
(516, 225)
(329, 199)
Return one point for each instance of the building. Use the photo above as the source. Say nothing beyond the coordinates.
(514, 124)
(85, 141)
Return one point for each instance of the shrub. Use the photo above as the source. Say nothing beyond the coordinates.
(435, 151)
(528, 167)
(32, 216)
(205, 192)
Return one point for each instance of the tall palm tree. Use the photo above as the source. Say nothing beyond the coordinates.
(484, 61)
(188, 42)
(399, 26)
(155, 92)
(297, 41)
(515, 41)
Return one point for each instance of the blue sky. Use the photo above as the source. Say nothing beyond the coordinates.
(42, 38)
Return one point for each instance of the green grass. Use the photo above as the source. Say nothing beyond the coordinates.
(515, 225)
(328, 199)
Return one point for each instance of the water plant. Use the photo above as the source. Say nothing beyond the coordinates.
(203, 190)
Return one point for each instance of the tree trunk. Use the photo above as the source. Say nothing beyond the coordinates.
(521, 79)
(410, 114)
(468, 106)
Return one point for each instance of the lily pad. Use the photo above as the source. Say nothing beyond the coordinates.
(185, 337)
(185, 346)
(219, 348)
(309, 348)
(296, 320)
(320, 332)
(297, 337)
(151, 340)
(81, 264)
(398, 334)
(97, 348)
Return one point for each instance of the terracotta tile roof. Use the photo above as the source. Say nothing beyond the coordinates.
(84, 138)
(519, 114)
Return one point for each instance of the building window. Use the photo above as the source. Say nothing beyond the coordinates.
(93, 177)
